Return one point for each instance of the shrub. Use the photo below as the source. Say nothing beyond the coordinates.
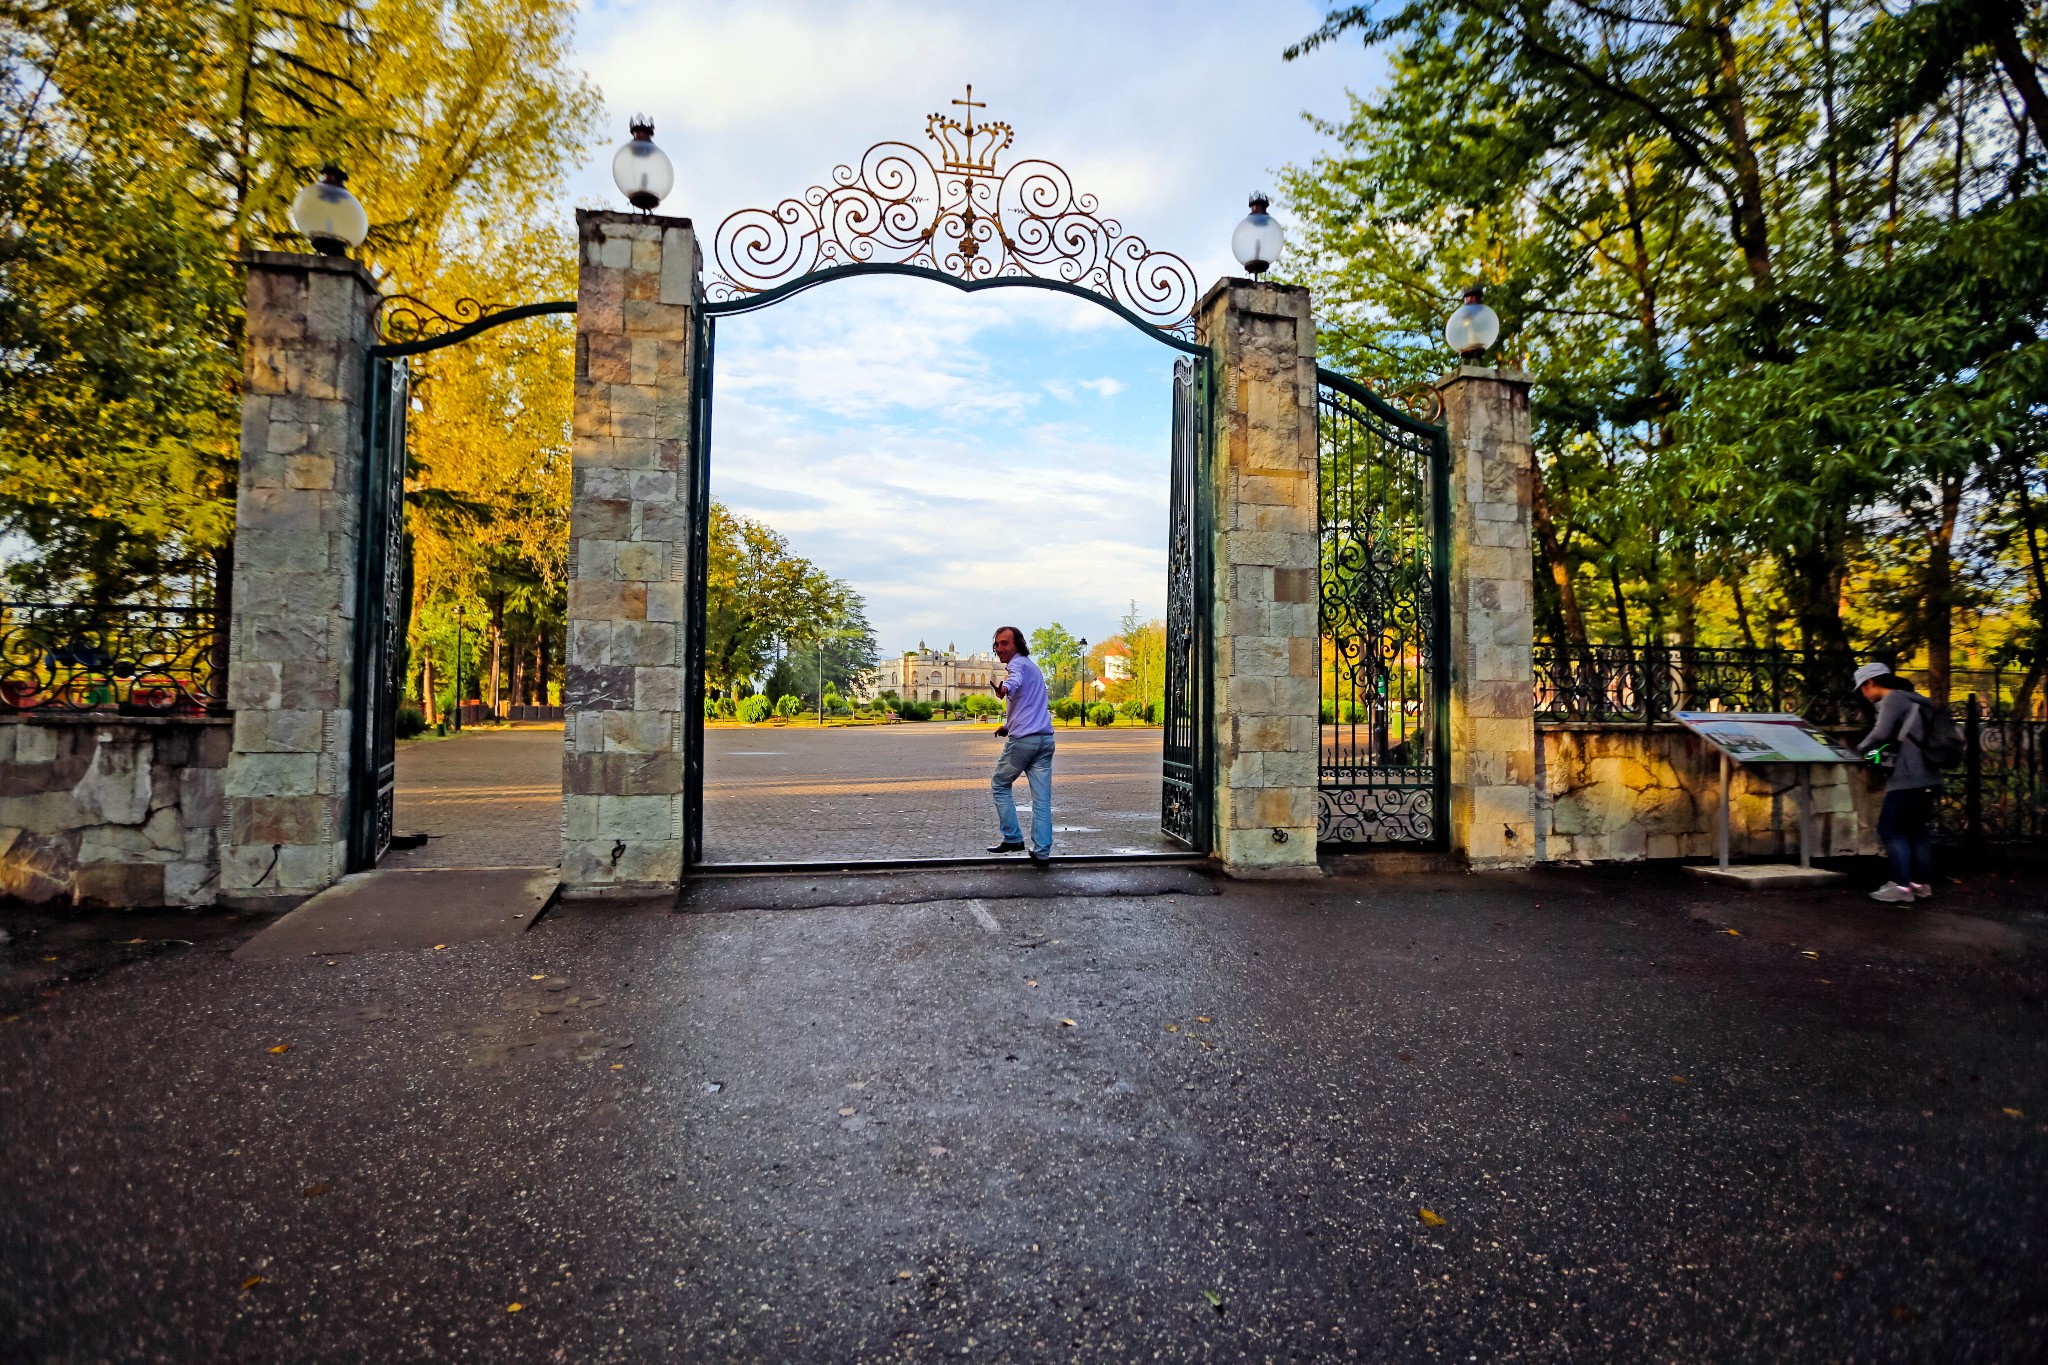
(1151, 713)
(755, 709)
(915, 710)
(727, 708)
(1066, 708)
(789, 705)
(836, 705)
(412, 722)
(711, 708)
(977, 705)
(1102, 713)
(1131, 710)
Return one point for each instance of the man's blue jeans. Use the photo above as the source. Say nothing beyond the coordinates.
(1029, 757)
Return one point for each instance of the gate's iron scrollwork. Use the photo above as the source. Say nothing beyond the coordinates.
(963, 215)
(1383, 524)
(1184, 788)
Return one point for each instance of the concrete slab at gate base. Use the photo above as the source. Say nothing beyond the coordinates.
(1768, 876)
(394, 911)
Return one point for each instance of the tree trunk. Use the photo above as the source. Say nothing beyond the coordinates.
(1553, 556)
(497, 648)
(428, 708)
(1747, 220)
(517, 693)
(1741, 610)
(1940, 588)
(2001, 21)
(540, 673)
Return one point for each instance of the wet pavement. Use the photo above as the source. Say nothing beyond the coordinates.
(1561, 1115)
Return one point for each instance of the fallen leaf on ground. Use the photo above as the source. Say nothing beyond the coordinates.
(2014, 1114)
(135, 940)
(1066, 1023)
(514, 1307)
(540, 976)
(847, 1112)
(939, 1151)
(1810, 954)
(1679, 1079)
(282, 1047)
(315, 1191)
(1215, 1299)
(1732, 933)
(1173, 1028)
(252, 1282)
(1202, 1019)
(1032, 984)
(1430, 1218)
(618, 1066)
(902, 1274)
(439, 946)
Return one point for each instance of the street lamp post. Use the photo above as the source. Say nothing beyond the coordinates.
(1084, 682)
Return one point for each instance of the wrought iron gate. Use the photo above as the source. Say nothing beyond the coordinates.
(1383, 522)
(382, 603)
(1184, 788)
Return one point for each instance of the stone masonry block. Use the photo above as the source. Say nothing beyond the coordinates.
(643, 732)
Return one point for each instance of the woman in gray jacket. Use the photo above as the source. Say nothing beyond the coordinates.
(1910, 785)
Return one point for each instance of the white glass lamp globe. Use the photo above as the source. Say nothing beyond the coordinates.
(642, 170)
(1473, 328)
(1259, 239)
(329, 216)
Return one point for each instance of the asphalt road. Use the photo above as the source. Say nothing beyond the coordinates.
(1075, 1127)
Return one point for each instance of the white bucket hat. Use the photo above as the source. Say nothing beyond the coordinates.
(1872, 672)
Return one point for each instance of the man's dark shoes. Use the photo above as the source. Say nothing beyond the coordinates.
(1006, 848)
(1042, 859)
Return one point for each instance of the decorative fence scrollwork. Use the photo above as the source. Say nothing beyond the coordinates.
(1383, 607)
(963, 215)
(131, 660)
(1647, 683)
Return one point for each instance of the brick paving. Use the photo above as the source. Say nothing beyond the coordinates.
(493, 798)
(915, 791)
(488, 798)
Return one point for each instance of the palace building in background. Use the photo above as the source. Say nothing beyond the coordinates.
(941, 677)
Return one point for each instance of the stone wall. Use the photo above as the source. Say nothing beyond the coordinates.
(1623, 793)
(111, 811)
(1265, 573)
(629, 542)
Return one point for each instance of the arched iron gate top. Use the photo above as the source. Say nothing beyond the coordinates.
(747, 303)
(960, 217)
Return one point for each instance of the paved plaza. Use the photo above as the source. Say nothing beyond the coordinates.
(1557, 1116)
(492, 798)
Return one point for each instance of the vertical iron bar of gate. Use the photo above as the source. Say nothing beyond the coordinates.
(699, 474)
(1440, 646)
(1973, 771)
(1202, 685)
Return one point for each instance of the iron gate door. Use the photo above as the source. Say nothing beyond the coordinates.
(1383, 524)
(382, 602)
(1184, 790)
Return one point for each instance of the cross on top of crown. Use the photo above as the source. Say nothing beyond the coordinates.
(958, 138)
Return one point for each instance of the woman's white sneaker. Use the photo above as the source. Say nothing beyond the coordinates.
(1922, 891)
(1891, 893)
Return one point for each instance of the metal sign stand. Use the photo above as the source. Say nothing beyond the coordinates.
(1765, 875)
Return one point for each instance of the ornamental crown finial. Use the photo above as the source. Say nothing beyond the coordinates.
(957, 138)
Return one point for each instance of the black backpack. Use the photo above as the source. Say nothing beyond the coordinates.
(1940, 740)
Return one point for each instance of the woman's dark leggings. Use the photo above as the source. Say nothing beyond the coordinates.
(1902, 826)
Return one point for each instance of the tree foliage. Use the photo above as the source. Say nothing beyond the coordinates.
(1779, 275)
(144, 148)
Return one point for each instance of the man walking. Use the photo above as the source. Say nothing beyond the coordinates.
(1027, 748)
(1899, 741)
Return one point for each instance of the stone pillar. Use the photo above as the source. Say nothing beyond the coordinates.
(1493, 619)
(623, 689)
(1263, 491)
(292, 646)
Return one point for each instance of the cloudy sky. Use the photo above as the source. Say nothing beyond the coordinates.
(965, 461)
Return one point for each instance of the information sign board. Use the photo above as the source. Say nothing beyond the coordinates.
(1767, 737)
